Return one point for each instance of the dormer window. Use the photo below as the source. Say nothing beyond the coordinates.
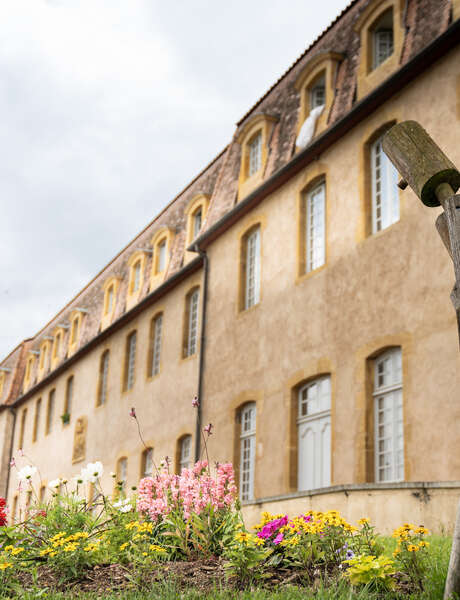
(161, 243)
(76, 318)
(197, 221)
(136, 265)
(135, 277)
(74, 330)
(57, 345)
(382, 39)
(195, 214)
(317, 93)
(161, 260)
(255, 154)
(109, 299)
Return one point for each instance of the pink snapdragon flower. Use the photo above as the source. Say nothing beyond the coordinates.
(208, 428)
(132, 412)
(195, 402)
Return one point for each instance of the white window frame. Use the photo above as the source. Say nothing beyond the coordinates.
(185, 452)
(255, 154)
(197, 221)
(317, 93)
(315, 232)
(131, 360)
(252, 269)
(136, 276)
(156, 344)
(387, 396)
(385, 196)
(147, 462)
(192, 324)
(104, 371)
(314, 408)
(161, 264)
(248, 418)
(383, 45)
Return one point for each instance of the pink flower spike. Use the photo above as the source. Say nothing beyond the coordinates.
(132, 412)
(208, 429)
(21, 452)
(195, 402)
(12, 462)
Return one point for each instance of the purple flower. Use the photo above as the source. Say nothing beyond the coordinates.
(278, 539)
(349, 554)
(195, 402)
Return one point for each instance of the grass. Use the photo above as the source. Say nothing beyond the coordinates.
(434, 587)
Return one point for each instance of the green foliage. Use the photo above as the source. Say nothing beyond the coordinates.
(373, 571)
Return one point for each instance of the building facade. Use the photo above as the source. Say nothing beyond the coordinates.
(291, 286)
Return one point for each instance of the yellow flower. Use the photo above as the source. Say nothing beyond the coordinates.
(156, 548)
(412, 548)
(421, 530)
(423, 544)
(144, 553)
(9, 548)
(363, 521)
(45, 551)
(5, 565)
(16, 551)
(123, 546)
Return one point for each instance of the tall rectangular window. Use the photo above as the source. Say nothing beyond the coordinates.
(136, 277)
(315, 235)
(122, 472)
(109, 298)
(317, 93)
(197, 222)
(314, 434)
(23, 428)
(38, 407)
(155, 340)
(388, 414)
(191, 323)
(103, 377)
(74, 330)
(185, 452)
(255, 154)
(130, 360)
(50, 411)
(252, 269)
(247, 451)
(161, 260)
(68, 399)
(385, 196)
(147, 463)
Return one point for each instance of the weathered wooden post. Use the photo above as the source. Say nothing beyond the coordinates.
(434, 179)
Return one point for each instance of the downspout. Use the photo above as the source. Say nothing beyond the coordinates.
(13, 412)
(199, 410)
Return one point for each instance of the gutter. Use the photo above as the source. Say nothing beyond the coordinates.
(199, 408)
(150, 299)
(365, 107)
(13, 412)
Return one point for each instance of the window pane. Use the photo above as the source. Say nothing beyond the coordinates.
(316, 228)
(385, 196)
(252, 283)
(162, 256)
(383, 45)
(131, 360)
(69, 395)
(318, 94)
(156, 345)
(255, 154)
(197, 218)
(185, 452)
(103, 373)
(192, 323)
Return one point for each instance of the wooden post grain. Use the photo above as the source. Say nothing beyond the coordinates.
(435, 179)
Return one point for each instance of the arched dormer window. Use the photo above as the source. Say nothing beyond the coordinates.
(195, 214)
(29, 374)
(110, 298)
(2, 383)
(316, 87)
(136, 264)
(254, 138)
(381, 32)
(44, 360)
(58, 343)
(76, 320)
(162, 243)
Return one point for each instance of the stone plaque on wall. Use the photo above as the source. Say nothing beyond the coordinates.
(79, 440)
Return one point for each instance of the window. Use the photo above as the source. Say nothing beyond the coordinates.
(38, 407)
(29, 367)
(57, 345)
(147, 463)
(109, 299)
(2, 382)
(22, 430)
(197, 222)
(247, 450)
(382, 39)
(156, 327)
(185, 451)
(388, 414)
(122, 473)
(68, 401)
(50, 411)
(255, 154)
(191, 323)
(317, 92)
(75, 330)
(42, 494)
(103, 376)
(384, 182)
(43, 356)
(315, 233)
(130, 361)
(161, 243)
(161, 265)
(314, 434)
(251, 268)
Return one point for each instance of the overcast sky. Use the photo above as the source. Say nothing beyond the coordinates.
(108, 108)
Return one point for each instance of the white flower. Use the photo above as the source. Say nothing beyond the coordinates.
(123, 506)
(92, 472)
(126, 508)
(113, 474)
(26, 473)
(55, 484)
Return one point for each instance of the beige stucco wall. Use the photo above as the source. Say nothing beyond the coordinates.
(163, 404)
(391, 288)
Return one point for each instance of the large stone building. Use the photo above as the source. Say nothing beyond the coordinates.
(293, 287)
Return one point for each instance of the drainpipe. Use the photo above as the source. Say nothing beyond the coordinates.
(199, 409)
(8, 472)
